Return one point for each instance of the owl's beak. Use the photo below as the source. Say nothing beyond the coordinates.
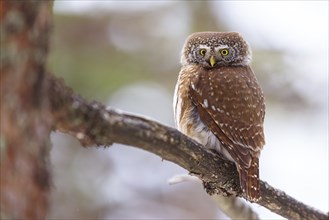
(212, 61)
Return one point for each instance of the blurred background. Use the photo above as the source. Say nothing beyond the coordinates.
(126, 54)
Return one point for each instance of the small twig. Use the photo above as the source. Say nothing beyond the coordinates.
(232, 206)
(183, 178)
(94, 124)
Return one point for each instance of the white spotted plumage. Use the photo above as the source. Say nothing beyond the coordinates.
(195, 129)
(219, 103)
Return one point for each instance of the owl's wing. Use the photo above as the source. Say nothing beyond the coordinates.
(231, 104)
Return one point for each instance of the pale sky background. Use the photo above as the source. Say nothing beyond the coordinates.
(307, 36)
(299, 27)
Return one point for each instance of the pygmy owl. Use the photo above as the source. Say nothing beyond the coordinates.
(219, 103)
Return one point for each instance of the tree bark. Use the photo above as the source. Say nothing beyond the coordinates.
(25, 112)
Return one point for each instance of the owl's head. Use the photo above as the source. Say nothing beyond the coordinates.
(215, 49)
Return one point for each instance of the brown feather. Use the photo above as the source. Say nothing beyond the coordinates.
(219, 103)
(230, 102)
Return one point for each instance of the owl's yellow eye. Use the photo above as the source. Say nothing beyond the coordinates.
(202, 52)
(224, 52)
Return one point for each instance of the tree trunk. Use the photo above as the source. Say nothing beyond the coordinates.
(25, 115)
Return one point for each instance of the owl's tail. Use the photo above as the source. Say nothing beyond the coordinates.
(249, 180)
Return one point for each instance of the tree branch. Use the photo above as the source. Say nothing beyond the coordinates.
(94, 124)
